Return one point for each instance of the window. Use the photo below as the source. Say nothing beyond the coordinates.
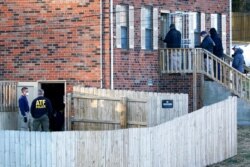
(219, 25)
(149, 28)
(214, 21)
(124, 26)
(124, 37)
(196, 28)
(148, 39)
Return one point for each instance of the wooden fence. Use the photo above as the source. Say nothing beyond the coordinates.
(103, 109)
(8, 120)
(8, 99)
(240, 26)
(200, 138)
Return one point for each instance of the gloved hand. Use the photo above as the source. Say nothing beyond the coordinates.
(25, 119)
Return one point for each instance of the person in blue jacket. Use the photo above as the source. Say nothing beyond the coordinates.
(207, 42)
(238, 59)
(40, 110)
(24, 114)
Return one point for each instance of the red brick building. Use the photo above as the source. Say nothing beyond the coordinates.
(101, 43)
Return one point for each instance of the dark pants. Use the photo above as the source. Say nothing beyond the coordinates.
(43, 121)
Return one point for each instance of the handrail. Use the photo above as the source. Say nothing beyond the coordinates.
(180, 60)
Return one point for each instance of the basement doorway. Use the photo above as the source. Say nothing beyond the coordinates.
(55, 92)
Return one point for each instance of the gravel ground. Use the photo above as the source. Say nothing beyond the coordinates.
(242, 159)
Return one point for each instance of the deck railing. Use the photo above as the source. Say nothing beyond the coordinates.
(194, 60)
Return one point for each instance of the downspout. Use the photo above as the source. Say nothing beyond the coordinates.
(230, 26)
(111, 46)
(101, 44)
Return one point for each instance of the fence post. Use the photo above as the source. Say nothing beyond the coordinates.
(67, 112)
(194, 80)
(123, 110)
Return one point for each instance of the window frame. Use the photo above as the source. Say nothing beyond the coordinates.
(126, 7)
(150, 28)
(126, 38)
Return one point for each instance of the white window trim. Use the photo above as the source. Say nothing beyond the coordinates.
(143, 31)
(203, 22)
(118, 27)
(131, 27)
(155, 28)
(224, 32)
(214, 21)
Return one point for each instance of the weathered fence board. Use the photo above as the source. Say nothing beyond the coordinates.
(8, 99)
(203, 137)
(240, 24)
(8, 120)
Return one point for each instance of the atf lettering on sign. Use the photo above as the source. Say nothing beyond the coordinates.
(40, 104)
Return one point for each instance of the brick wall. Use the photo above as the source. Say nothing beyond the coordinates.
(50, 40)
(183, 83)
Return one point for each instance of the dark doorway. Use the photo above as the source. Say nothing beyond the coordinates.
(55, 92)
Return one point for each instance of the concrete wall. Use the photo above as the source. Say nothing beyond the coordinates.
(214, 92)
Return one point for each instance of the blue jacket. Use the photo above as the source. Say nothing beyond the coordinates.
(23, 105)
(208, 44)
(173, 38)
(238, 61)
(40, 106)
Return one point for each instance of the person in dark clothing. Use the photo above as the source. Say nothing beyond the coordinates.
(238, 59)
(40, 109)
(218, 49)
(173, 38)
(24, 114)
(57, 121)
(207, 42)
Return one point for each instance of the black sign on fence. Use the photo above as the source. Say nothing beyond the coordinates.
(167, 103)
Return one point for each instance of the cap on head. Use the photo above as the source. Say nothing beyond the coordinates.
(172, 26)
(235, 47)
(203, 33)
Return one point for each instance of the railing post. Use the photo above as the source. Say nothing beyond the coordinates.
(194, 79)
